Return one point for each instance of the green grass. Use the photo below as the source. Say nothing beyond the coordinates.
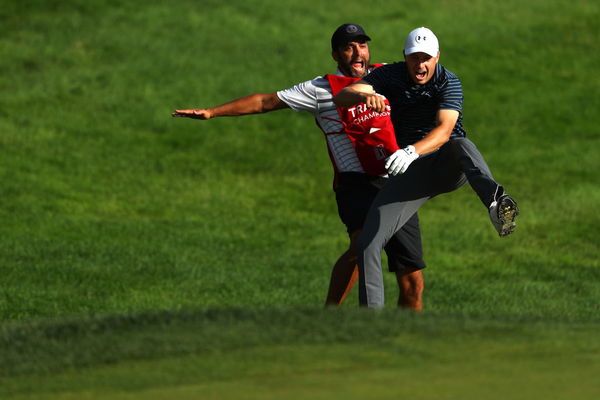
(298, 353)
(114, 214)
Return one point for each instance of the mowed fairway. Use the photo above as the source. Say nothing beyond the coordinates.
(143, 256)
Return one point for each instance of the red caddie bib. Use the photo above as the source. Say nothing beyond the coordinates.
(372, 134)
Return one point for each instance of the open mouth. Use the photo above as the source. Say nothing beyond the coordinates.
(358, 65)
(421, 74)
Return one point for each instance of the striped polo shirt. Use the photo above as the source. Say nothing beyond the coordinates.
(414, 107)
(315, 96)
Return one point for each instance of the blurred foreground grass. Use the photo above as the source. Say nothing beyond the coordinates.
(224, 353)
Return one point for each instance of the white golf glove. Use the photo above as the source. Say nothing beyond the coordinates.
(398, 162)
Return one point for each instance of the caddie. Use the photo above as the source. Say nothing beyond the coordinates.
(359, 141)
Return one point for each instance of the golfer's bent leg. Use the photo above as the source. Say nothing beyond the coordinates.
(476, 170)
(383, 221)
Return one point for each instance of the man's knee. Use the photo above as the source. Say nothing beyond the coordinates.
(413, 281)
(352, 252)
(411, 285)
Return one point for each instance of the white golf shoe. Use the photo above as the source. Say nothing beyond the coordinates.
(503, 213)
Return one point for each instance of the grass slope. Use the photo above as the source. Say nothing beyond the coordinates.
(110, 205)
(118, 220)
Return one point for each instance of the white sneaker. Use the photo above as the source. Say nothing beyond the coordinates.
(503, 213)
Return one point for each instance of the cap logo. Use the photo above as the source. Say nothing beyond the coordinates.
(420, 38)
(351, 28)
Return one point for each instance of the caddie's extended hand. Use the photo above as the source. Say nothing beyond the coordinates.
(398, 162)
(195, 114)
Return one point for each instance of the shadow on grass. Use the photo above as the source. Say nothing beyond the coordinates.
(48, 346)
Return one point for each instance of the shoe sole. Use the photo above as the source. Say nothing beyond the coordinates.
(507, 213)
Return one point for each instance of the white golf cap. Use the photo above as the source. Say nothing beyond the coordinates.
(422, 40)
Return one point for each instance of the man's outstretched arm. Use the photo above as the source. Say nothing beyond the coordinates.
(253, 104)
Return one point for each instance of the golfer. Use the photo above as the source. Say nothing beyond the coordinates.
(435, 156)
(359, 141)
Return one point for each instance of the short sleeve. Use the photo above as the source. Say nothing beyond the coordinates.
(301, 97)
(452, 94)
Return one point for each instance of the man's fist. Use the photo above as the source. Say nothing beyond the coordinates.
(375, 102)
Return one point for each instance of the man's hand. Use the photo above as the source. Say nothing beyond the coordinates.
(360, 92)
(398, 162)
(375, 102)
(201, 113)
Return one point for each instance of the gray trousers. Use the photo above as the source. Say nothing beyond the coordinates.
(455, 163)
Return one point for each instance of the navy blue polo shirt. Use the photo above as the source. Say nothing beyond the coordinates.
(414, 107)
